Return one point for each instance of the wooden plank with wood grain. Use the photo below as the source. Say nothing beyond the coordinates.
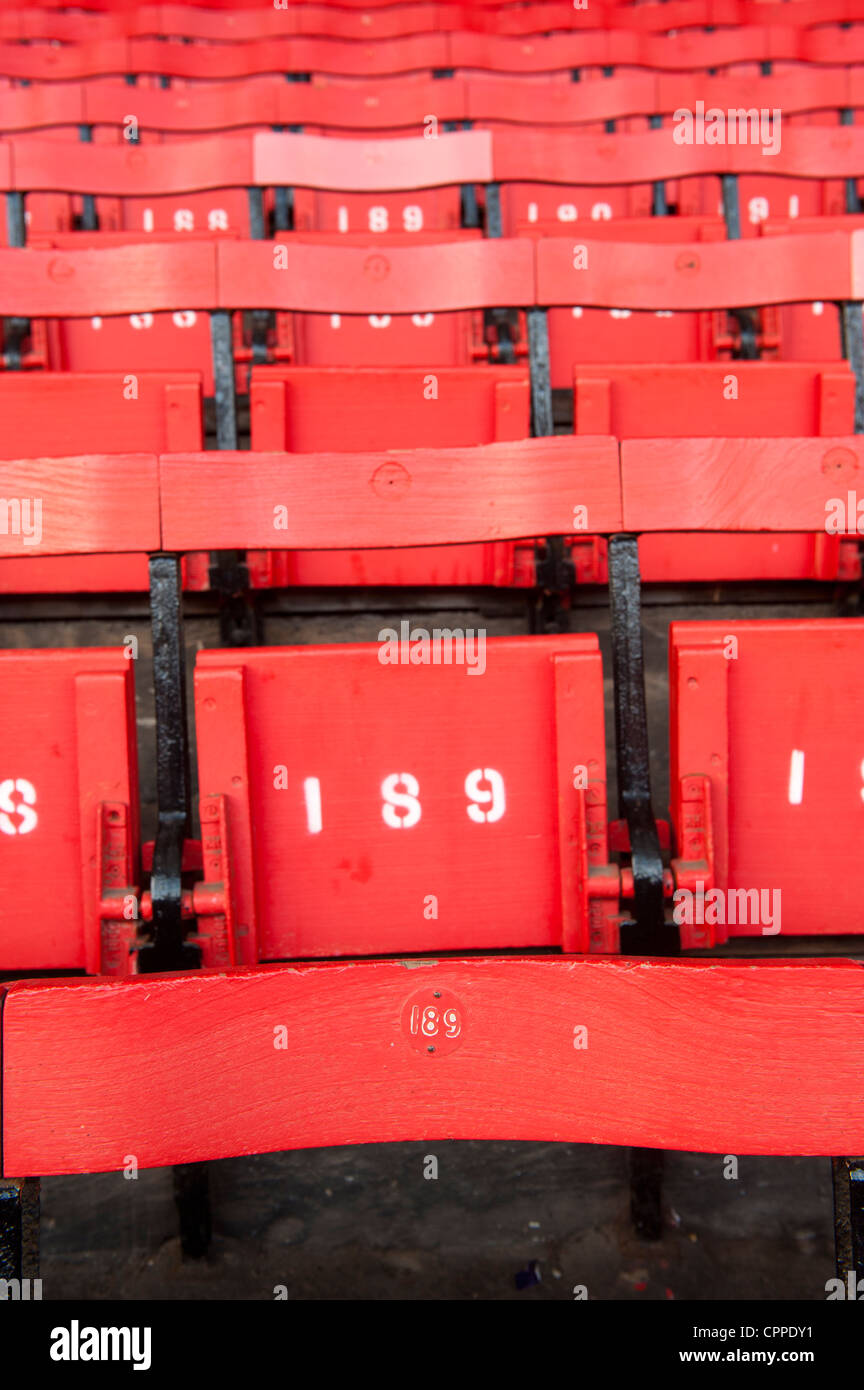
(715, 1056)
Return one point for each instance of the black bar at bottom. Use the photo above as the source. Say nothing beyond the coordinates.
(19, 1230)
(848, 1175)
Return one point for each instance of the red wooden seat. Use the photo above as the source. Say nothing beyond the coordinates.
(387, 408)
(739, 398)
(65, 413)
(69, 413)
(730, 398)
(761, 714)
(68, 810)
(400, 103)
(757, 1058)
(292, 409)
(174, 338)
(416, 497)
(830, 44)
(457, 822)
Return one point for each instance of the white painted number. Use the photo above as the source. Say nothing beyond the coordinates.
(400, 795)
(26, 818)
(796, 777)
(406, 799)
(477, 794)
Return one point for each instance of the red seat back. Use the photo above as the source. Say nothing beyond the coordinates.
(377, 807)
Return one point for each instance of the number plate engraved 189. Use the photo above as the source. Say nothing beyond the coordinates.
(433, 1021)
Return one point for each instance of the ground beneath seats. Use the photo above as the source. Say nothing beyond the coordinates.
(363, 1223)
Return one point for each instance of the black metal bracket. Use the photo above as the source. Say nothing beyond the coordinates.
(731, 206)
(853, 200)
(239, 622)
(501, 327)
(609, 126)
(659, 201)
(553, 565)
(494, 223)
(19, 1231)
(747, 319)
(256, 213)
(555, 575)
(538, 332)
(89, 218)
(15, 330)
(542, 420)
(468, 205)
(16, 224)
(852, 340)
(222, 348)
(168, 951)
(283, 198)
(261, 319)
(848, 1178)
(648, 934)
(229, 576)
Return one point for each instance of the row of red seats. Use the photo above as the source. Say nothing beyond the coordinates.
(511, 808)
(688, 51)
(434, 405)
(410, 185)
(57, 414)
(233, 24)
(362, 106)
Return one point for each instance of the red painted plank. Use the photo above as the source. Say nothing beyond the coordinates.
(75, 574)
(117, 280)
(291, 408)
(65, 413)
(740, 484)
(219, 106)
(232, 23)
(626, 48)
(127, 170)
(747, 1058)
(419, 497)
(700, 275)
(372, 104)
(53, 506)
(310, 161)
(290, 54)
(235, 25)
(711, 557)
(813, 152)
(683, 51)
(359, 280)
(28, 108)
(67, 743)
(751, 399)
(778, 783)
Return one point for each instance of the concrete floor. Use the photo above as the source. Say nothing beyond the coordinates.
(364, 1223)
